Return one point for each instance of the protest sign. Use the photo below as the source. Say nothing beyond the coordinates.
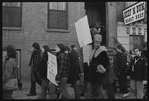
(52, 68)
(83, 31)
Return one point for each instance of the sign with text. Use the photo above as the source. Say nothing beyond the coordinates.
(134, 13)
(136, 30)
(83, 31)
(52, 68)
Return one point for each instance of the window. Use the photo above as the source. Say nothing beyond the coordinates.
(57, 15)
(12, 14)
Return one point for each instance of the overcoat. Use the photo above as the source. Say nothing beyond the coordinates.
(75, 67)
(98, 57)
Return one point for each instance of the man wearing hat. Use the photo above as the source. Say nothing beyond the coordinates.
(99, 62)
(34, 63)
(62, 75)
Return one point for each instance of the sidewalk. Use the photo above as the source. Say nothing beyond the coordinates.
(22, 94)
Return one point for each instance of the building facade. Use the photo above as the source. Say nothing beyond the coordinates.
(51, 23)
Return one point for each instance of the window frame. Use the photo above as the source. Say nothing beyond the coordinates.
(57, 28)
(21, 12)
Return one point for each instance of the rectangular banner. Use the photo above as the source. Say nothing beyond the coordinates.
(83, 31)
(134, 13)
(52, 68)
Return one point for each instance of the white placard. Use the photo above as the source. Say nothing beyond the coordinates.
(86, 53)
(52, 68)
(83, 31)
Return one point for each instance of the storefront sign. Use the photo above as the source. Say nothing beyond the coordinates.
(136, 30)
(134, 13)
(52, 68)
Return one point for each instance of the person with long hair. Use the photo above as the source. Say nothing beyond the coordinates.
(33, 64)
(9, 69)
(46, 85)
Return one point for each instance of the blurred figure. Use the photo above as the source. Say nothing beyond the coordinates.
(138, 73)
(9, 69)
(144, 53)
(123, 70)
(75, 70)
(33, 64)
(46, 86)
(62, 76)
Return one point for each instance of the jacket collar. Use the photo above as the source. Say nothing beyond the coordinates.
(98, 51)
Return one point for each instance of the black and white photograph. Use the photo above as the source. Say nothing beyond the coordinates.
(74, 50)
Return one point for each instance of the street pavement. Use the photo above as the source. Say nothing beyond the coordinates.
(22, 94)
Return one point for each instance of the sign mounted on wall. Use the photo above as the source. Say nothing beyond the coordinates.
(134, 13)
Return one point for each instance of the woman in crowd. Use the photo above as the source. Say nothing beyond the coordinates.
(63, 68)
(9, 69)
(98, 66)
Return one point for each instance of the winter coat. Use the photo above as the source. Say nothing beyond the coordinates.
(62, 64)
(42, 70)
(138, 70)
(9, 69)
(75, 67)
(99, 58)
(34, 63)
(121, 62)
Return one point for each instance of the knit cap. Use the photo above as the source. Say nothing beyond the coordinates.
(61, 46)
(98, 38)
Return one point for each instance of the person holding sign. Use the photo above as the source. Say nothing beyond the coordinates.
(99, 62)
(45, 86)
(62, 75)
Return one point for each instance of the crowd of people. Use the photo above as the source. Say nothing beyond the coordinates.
(99, 73)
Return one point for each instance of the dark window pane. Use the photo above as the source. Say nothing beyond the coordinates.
(61, 20)
(11, 16)
(52, 19)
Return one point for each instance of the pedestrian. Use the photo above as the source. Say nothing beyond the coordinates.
(115, 69)
(138, 73)
(123, 69)
(62, 76)
(46, 86)
(33, 64)
(75, 70)
(144, 53)
(108, 82)
(98, 66)
(9, 69)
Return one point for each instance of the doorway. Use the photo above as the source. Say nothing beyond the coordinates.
(96, 11)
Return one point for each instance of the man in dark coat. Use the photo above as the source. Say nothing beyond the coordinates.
(75, 70)
(34, 63)
(138, 73)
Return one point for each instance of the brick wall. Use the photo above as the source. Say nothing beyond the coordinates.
(34, 29)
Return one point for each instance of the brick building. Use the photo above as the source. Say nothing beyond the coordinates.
(53, 22)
